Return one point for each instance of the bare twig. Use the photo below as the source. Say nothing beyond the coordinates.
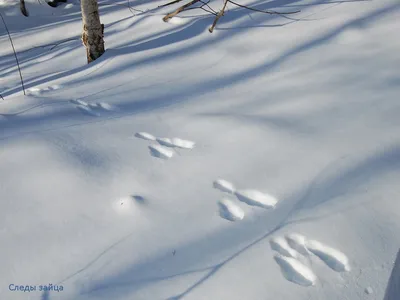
(219, 15)
(15, 53)
(271, 12)
(209, 7)
(169, 3)
(180, 9)
(210, 10)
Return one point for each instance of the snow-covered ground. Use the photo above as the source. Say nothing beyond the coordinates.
(261, 161)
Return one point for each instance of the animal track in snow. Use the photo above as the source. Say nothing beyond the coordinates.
(106, 106)
(87, 110)
(164, 146)
(35, 91)
(333, 258)
(128, 204)
(256, 198)
(176, 143)
(124, 205)
(224, 186)
(78, 102)
(295, 271)
(183, 144)
(229, 210)
(280, 245)
(160, 152)
(165, 142)
(145, 136)
(93, 108)
(298, 243)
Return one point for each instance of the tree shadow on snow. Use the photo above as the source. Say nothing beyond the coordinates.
(179, 95)
(199, 257)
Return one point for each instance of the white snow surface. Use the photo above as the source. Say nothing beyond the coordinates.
(333, 258)
(160, 152)
(280, 245)
(297, 242)
(306, 109)
(229, 210)
(224, 186)
(256, 198)
(294, 271)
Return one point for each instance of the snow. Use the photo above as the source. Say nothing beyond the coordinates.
(280, 245)
(295, 271)
(335, 259)
(256, 198)
(224, 186)
(298, 243)
(160, 152)
(165, 142)
(229, 210)
(183, 144)
(145, 136)
(301, 112)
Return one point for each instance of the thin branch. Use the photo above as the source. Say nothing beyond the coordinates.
(271, 12)
(220, 14)
(210, 8)
(169, 3)
(15, 53)
(180, 9)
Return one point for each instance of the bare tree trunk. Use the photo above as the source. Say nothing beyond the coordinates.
(22, 7)
(393, 288)
(93, 30)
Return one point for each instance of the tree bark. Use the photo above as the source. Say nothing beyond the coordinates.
(180, 9)
(219, 15)
(93, 30)
(393, 288)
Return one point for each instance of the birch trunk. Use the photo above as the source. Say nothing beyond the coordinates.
(93, 30)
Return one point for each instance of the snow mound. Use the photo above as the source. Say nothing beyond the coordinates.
(230, 211)
(298, 243)
(280, 245)
(333, 258)
(177, 21)
(295, 271)
(224, 186)
(145, 136)
(160, 152)
(256, 198)
(184, 144)
(34, 91)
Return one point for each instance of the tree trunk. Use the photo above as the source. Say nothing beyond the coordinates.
(93, 30)
(393, 288)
